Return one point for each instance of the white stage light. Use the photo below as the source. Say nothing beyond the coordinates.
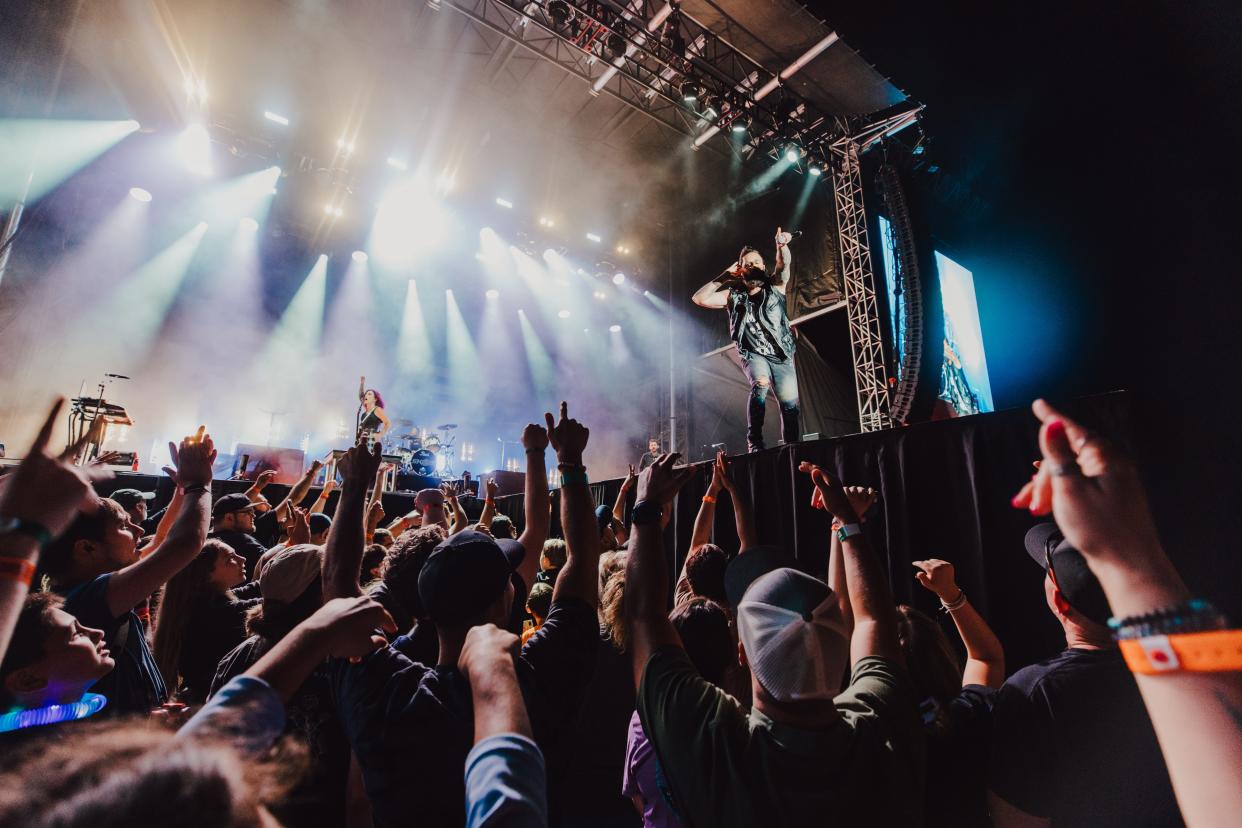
(398, 164)
(614, 328)
(815, 171)
(139, 194)
(593, 237)
(360, 256)
(599, 294)
(275, 118)
(504, 202)
(791, 156)
(493, 294)
(194, 149)
(249, 225)
(563, 314)
(618, 279)
(546, 222)
(344, 146)
(409, 223)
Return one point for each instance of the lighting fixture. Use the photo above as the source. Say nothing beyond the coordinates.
(359, 256)
(493, 294)
(397, 164)
(504, 202)
(791, 155)
(599, 294)
(689, 92)
(741, 124)
(276, 118)
(594, 237)
(563, 314)
(546, 222)
(344, 146)
(614, 328)
(618, 279)
(139, 194)
(815, 170)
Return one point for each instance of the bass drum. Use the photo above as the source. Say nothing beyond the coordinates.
(423, 462)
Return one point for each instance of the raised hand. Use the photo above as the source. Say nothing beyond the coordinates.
(375, 513)
(720, 474)
(264, 478)
(660, 482)
(832, 496)
(491, 488)
(1094, 492)
(357, 466)
(316, 465)
(487, 647)
(631, 478)
(351, 627)
(48, 490)
(534, 437)
(938, 577)
(783, 238)
(567, 436)
(298, 528)
(194, 459)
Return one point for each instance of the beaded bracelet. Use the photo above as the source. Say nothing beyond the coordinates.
(1196, 615)
(956, 604)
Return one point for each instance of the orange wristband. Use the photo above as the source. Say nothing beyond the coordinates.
(708, 499)
(17, 569)
(1199, 652)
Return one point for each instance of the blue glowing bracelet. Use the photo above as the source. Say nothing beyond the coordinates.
(19, 719)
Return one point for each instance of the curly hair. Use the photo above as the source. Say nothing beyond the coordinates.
(405, 561)
(612, 609)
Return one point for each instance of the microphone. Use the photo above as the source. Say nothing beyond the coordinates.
(797, 234)
(116, 376)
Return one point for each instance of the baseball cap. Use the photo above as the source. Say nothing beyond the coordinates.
(1071, 574)
(228, 504)
(290, 571)
(749, 565)
(463, 576)
(603, 517)
(129, 498)
(795, 639)
(513, 551)
(319, 522)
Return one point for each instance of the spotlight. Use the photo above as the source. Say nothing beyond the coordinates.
(594, 237)
(249, 225)
(815, 170)
(618, 279)
(333, 211)
(344, 146)
(493, 294)
(563, 314)
(791, 155)
(275, 118)
(614, 46)
(194, 149)
(623, 250)
(504, 202)
(614, 328)
(397, 164)
(646, 293)
(689, 92)
(359, 256)
(599, 294)
(139, 194)
(740, 124)
(546, 222)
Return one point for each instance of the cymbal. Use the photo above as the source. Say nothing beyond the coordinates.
(447, 427)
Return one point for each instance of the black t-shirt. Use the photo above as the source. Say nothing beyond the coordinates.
(217, 624)
(956, 794)
(1072, 741)
(135, 684)
(412, 725)
(387, 599)
(244, 544)
(319, 797)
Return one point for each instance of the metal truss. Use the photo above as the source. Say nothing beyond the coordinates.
(866, 337)
(857, 274)
(647, 60)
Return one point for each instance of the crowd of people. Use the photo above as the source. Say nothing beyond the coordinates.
(227, 662)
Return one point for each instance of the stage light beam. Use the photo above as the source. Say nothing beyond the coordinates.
(276, 118)
(139, 194)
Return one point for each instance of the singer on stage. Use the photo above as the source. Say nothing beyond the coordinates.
(759, 327)
(372, 420)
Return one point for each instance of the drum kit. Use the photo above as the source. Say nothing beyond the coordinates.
(420, 450)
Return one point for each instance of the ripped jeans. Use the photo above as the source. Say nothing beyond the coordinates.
(770, 375)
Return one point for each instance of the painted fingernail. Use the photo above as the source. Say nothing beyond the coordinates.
(1016, 502)
(1056, 428)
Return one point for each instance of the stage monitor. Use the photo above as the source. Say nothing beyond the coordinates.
(964, 383)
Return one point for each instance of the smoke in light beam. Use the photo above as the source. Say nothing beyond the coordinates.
(46, 152)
